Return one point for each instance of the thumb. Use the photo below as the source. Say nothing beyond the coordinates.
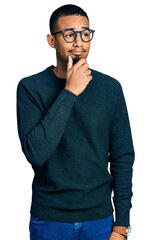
(70, 63)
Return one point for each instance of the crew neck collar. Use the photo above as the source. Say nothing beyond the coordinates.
(54, 75)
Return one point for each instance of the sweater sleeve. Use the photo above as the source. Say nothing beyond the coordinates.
(40, 134)
(121, 160)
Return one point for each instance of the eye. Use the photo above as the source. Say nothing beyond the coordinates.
(69, 35)
(85, 34)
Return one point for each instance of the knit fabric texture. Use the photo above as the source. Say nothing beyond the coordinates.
(80, 147)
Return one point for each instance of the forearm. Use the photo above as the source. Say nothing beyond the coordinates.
(121, 161)
(122, 187)
(40, 135)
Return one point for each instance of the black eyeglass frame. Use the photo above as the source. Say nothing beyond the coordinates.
(68, 29)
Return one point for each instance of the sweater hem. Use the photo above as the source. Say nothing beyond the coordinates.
(54, 214)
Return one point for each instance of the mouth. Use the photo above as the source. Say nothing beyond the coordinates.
(77, 53)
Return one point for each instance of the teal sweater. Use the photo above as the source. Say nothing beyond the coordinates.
(70, 141)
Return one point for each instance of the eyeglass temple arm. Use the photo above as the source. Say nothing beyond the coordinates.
(56, 32)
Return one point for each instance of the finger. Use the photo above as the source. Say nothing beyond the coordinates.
(85, 66)
(88, 72)
(70, 63)
(89, 78)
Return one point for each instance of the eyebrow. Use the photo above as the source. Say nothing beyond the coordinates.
(74, 28)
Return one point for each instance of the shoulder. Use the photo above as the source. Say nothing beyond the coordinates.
(109, 85)
(34, 80)
(100, 78)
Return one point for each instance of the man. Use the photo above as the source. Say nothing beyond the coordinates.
(72, 122)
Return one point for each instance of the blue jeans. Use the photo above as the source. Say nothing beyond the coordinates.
(99, 229)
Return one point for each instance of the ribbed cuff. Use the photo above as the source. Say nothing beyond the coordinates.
(122, 218)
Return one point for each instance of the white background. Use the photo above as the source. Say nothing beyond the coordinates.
(121, 48)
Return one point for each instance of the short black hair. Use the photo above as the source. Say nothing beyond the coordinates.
(65, 10)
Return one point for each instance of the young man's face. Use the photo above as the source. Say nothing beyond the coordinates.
(63, 48)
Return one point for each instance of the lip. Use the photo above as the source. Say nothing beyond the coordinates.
(77, 52)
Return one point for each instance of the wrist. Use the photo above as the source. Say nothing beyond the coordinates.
(124, 231)
(116, 235)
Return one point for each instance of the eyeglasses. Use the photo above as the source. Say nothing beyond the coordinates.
(70, 35)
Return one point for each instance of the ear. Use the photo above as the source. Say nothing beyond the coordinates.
(51, 40)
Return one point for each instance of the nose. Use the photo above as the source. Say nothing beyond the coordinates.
(78, 41)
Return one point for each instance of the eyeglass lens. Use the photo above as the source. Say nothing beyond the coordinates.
(70, 35)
